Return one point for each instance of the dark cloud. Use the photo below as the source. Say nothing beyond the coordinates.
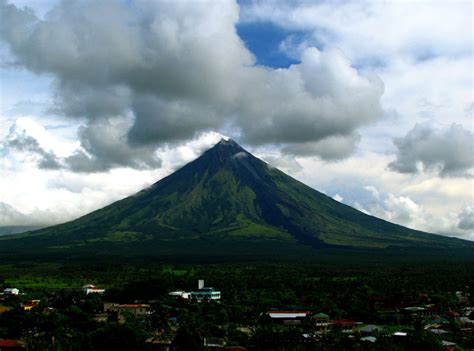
(466, 219)
(27, 144)
(448, 152)
(331, 148)
(177, 70)
(105, 147)
(162, 120)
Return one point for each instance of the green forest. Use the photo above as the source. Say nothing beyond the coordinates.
(372, 292)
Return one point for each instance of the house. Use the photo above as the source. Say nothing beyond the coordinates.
(371, 339)
(160, 343)
(92, 289)
(347, 326)
(289, 317)
(463, 298)
(466, 321)
(417, 312)
(30, 305)
(214, 343)
(10, 344)
(400, 334)
(449, 346)
(370, 329)
(452, 316)
(439, 331)
(11, 291)
(179, 294)
(205, 293)
(320, 323)
(4, 309)
(135, 309)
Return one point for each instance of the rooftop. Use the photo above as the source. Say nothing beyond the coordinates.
(10, 343)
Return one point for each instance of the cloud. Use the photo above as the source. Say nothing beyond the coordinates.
(404, 210)
(286, 163)
(448, 152)
(19, 141)
(10, 216)
(104, 147)
(372, 31)
(176, 71)
(466, 218)
(331, 148)
(25, 187)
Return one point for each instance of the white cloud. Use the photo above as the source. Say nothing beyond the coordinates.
(466, 218)
(182, 70)
(419, 201)
(33, 196)
(373, 29)
(448, 152)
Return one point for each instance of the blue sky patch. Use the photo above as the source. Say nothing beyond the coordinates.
(263, 40)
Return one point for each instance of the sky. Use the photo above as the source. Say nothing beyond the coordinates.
(370, 102)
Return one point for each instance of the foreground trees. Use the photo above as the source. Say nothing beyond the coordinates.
(67, 319)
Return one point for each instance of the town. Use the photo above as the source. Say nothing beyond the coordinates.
(149, 315)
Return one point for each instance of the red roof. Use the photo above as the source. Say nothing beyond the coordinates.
(286, 311)
(452, 313)
(9, 343)
(134, 305)
(343, 322)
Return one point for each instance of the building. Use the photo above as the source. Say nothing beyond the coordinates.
(448, 345)
(179, 294)
(452, 316)
(214, 343)
(289, 317)
(92, 289)
(205, 293)
(135, 309)
(320, 323)
(30, 305)
(463, 298)
(10, 344)
(347, 326)
(370, 329)
(11, 291)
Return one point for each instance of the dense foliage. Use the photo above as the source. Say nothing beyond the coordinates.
(66, 318)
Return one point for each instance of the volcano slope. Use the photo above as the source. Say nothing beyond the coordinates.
(225, 204)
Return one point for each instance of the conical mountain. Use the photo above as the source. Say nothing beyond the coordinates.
(225, 201)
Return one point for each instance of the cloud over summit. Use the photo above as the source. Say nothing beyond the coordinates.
(171, 71)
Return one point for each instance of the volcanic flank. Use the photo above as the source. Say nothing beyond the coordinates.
(225, 202)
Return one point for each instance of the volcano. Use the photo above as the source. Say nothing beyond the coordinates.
(226, 202)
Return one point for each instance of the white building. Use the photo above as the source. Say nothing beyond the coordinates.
(205, 293)
(179, 293)
(11, 291)
(92, 289)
